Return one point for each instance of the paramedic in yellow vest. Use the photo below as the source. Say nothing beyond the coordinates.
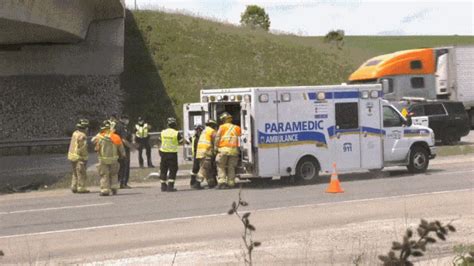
(78, 155)
(196, 161)
(109, 148)
(227, 144)
(142, 137)
(170, 139)
(205, 153)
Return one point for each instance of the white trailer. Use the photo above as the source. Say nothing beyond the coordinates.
(300, 131)
(460, 68)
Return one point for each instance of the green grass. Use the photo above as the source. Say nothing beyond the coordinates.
(170, 57)
(455, 150)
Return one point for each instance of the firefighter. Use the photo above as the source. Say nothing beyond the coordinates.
(170, 139)
(205, 153)
(78, 155)
(109, 148)
(142, 137)
(196, 161)
(227, 144)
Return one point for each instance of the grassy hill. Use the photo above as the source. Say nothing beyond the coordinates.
(170, 57)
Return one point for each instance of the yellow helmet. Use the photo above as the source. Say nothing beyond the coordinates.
(225, 117)
(83, 123)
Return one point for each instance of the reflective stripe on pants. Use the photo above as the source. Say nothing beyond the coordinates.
(226, 168)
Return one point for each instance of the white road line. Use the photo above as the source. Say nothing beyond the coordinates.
(57, 208)
(366, 200)
(225, 214)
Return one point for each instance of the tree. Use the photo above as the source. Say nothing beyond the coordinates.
(255, 17)
(335, 37)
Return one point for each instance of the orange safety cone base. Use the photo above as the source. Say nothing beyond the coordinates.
(334, 186)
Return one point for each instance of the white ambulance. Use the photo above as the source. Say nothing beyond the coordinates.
(302, 131)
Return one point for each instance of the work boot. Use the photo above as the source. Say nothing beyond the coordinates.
(193, 181)
(83, 190)
(196, 185)
(114, 191)
(74, 190)
(164, 187)
(151, 165)
(104, 193)
(127, 187)
(171, 187)
(211, 182)
(122, 186)
(221, 186)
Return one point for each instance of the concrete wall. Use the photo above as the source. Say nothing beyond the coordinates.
(53, 21)
(46, 87)
(100, 54)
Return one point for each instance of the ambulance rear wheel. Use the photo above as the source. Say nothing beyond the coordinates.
(307, 169)
(419, 160)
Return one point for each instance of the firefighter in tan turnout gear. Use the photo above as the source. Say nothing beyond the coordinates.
(78, 155)
(227, 144)
(205, 153)
(109, 148)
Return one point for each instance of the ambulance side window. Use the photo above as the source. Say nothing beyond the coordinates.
(347, 115)
(391, 118)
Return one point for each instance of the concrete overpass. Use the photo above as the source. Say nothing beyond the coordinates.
(53, 21)
(59, 60)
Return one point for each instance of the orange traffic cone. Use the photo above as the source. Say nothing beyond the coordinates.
(334, 185)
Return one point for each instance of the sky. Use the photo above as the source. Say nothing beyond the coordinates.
(355, 17)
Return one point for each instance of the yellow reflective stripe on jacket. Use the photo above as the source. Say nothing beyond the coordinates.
(169, 140)
(108, 153)
(205, 143)
(76, 153)
(229, 136)
(142, 131)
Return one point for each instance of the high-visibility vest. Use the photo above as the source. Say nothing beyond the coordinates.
(108, 151)
(228, 135)
(169, 140)
(205, 143)
(142, 131)
(78, 147)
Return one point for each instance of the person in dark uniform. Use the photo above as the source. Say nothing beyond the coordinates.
(196, 162)
(170, 139)
(142, 137)
(121, 128)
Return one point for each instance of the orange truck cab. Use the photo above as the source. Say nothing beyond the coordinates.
(426, 73)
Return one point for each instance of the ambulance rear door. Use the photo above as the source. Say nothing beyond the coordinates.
(193, 114)
(246, 138)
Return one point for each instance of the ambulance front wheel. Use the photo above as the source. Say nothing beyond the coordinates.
(419, 160)
(307, 169)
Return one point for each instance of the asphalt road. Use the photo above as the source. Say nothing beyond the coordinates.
(40, 226)
(31, 172)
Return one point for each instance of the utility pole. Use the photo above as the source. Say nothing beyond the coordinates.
(135, 5)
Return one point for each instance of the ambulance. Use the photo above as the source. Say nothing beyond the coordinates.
(302, 131)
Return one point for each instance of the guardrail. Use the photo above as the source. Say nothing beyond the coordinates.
(29, 144)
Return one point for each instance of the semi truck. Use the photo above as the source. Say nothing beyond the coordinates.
(429, 73)
(302, 131)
